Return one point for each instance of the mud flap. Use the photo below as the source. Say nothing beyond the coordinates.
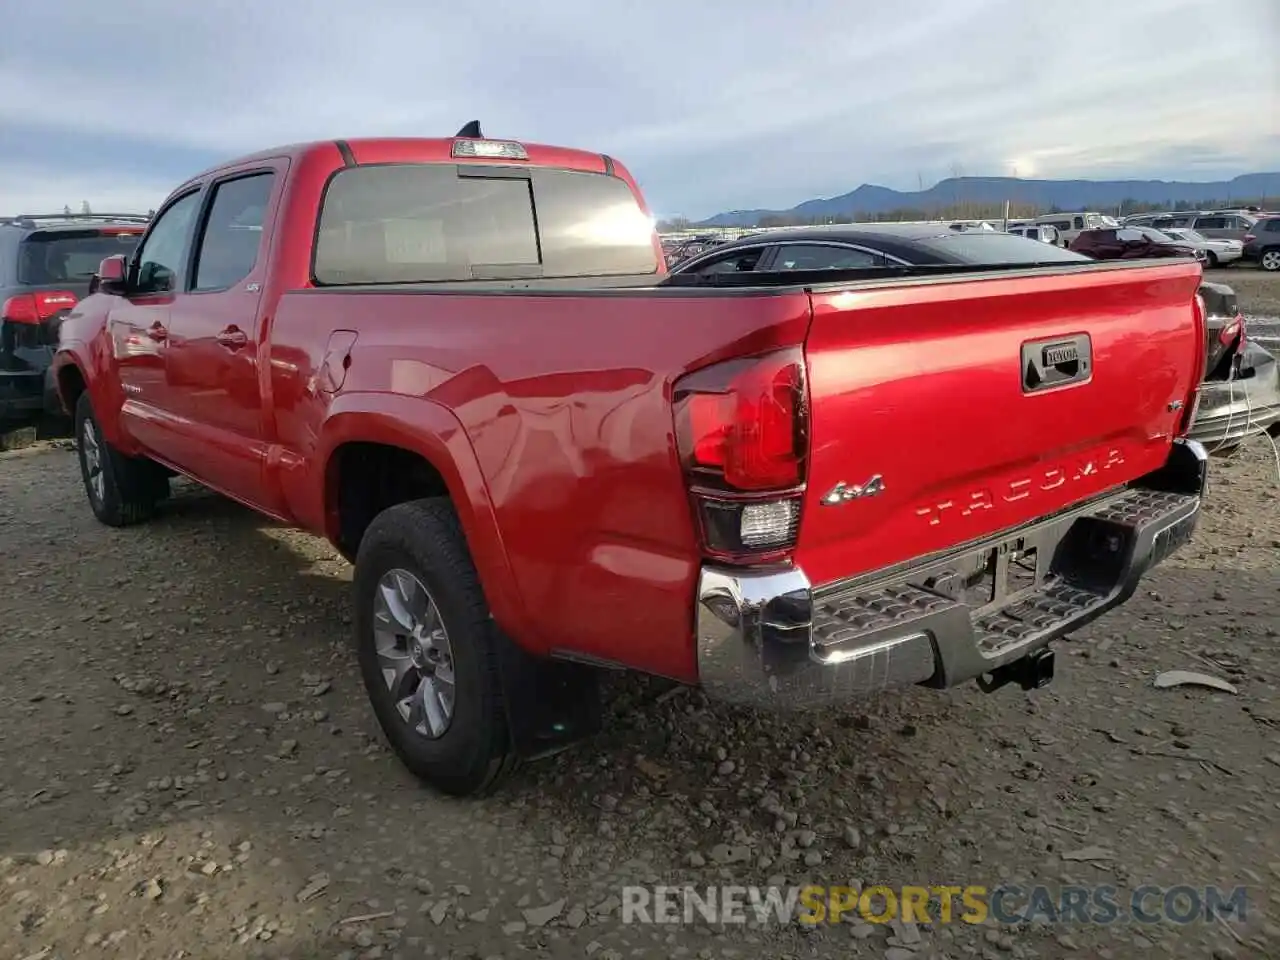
(551, 704)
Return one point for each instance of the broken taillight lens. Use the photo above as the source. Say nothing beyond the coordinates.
(1232, 330)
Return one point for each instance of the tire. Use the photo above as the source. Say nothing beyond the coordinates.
(1211, 260)
(1269, 259)
(122, 490)
(423, 540)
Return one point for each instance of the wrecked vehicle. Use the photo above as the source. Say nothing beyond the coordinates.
(460, 361)
(1230, 410)
(1241, 392)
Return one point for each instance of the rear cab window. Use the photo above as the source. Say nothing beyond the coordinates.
(440, 222)
(50, 257)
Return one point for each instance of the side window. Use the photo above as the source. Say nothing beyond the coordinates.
(800, 256)
(736, 261)
(1060, 224)
(1211, 223)
(164, 252)
(1078, 223)
(1273, 226)
(233, 232)
(1123, 235)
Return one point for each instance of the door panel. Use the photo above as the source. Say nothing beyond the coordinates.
(139, 323)
(211, 362)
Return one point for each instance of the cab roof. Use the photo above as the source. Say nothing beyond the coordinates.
(369, 150)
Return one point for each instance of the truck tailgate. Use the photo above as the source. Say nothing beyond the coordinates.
(949, 410)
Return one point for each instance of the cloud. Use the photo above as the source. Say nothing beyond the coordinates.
(712, 106)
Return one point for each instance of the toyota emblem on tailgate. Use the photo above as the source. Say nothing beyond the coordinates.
(1060, 353)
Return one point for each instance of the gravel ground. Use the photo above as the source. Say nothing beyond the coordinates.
(1259, 291)
(190, 768)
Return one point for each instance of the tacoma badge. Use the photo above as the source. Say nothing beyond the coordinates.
(844, 492)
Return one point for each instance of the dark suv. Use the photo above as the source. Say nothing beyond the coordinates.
(1262, 243)
(46, 264)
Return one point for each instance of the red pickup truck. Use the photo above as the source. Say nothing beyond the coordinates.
(462, 361)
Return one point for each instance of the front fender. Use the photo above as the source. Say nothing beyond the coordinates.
(432, 432)
(64, 359)
(85, 343)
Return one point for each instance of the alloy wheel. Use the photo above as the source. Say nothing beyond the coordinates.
(414, 654)
(91, 450)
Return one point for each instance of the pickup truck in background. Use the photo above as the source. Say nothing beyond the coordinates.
(463, 362)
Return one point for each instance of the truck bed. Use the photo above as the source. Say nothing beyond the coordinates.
(563, 391)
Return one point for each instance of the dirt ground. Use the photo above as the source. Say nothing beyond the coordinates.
(1258, 290)
(190, 769)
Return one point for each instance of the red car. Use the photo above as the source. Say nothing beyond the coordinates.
(1132, 243)
(458, 360)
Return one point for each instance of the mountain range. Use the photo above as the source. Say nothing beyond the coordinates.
(1101, 195)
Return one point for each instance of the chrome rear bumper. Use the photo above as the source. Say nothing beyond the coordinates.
(769, 637)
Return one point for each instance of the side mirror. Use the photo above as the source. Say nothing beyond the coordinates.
(112, 274)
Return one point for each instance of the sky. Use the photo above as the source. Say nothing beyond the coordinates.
(713, 105)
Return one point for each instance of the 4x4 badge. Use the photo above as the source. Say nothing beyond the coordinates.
(844, 492)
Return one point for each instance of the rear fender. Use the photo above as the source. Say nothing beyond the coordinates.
(433, 433)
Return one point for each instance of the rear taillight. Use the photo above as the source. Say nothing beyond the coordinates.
(1232, 330)
(35, 308)
(742, 437)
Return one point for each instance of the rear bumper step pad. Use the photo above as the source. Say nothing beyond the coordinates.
(769, 637)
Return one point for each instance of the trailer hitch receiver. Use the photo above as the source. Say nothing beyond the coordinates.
(1031, 672)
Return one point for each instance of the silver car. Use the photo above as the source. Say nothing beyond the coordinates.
(1217, 252)
(1215, 225)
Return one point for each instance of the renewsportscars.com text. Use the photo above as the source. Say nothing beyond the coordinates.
(1006, 903)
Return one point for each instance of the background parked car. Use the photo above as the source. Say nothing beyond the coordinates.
(855, 246)
(1217, 252)
(1216, 225)
(46, 263)
(691, 247)
(1262, 244)
(1070, 225)
(1043, 232)
(1132, 243)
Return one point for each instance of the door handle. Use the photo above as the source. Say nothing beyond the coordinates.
(157, 332)
(232, 337)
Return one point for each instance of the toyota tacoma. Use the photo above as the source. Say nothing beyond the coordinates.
(463, 362)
